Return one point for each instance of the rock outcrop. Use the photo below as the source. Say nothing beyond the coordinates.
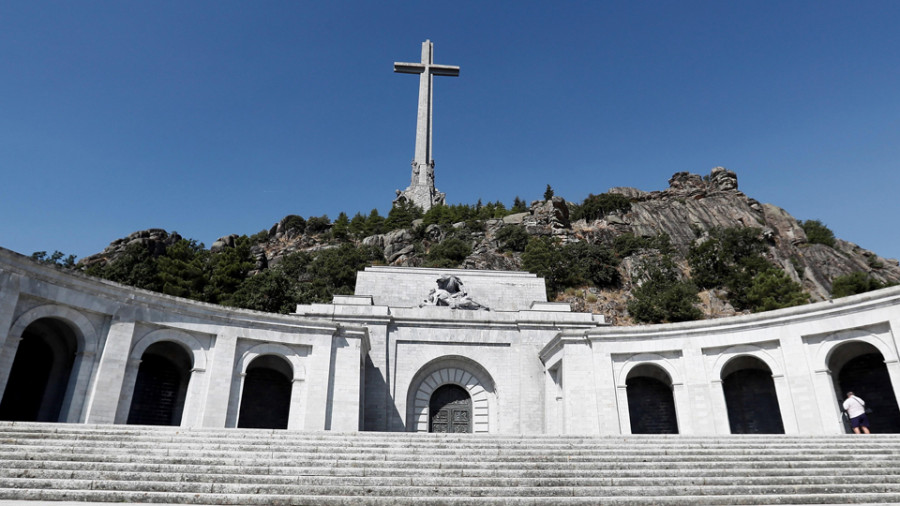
(685, 211)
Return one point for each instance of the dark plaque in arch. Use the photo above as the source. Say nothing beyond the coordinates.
(451, 410)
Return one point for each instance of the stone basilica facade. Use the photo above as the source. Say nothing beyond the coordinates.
(433, 350)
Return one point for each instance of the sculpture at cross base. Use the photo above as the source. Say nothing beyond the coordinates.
(421, 190)
(450, 293)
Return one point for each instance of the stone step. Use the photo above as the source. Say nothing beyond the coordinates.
(201, 458)
(10, 477)
(57, 462)
(350, 490)
(437, 499)
(572, 471)
(471, 454)
(90, 440)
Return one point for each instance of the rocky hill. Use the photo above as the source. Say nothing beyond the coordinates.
(685, 212)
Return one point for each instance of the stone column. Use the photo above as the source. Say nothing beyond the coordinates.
(829, 410)
(297, 413)
(9, 298)
(221, 367)
(580, 387)
(103, 402)
(719, 407)
(785, 404)
(343, 404)
(893, 367)
(128, 381)
(7, 357)
(624, 414)
(192, 415)
(73, 406)
(682, 408)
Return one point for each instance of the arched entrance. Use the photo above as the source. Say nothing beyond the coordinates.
(651, 406)
(859, 367)
(750, 397)
(450, 371)
(39, 377)
(266, 396)
(451, 410)
(161, 385)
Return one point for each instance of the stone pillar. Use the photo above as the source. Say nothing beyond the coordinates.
(827, 401)
(893, 367)
(785, 404)
(719, 407)
(581, 388)
(342, 407)
(192, 415)
(128, 381)
(682, 408)
(7, 357)
(73, 406)
(103, 402)
(624, 414)
(297, 413)
(9, 298)
(221, 367)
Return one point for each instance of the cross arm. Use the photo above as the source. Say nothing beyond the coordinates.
(409, 68)
(444, 70)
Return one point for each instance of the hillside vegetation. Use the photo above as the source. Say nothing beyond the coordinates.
(698, 249)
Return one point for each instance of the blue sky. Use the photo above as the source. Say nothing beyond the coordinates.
(211, 118)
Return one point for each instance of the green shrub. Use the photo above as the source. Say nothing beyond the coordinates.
(729, 258)
(293, 222)
(402, 216)
(817, 232)
(512, 238)
(584, 262)
(663, 296)
(448, 253)
(774, 289)
(340, 230)
(318, 224)
(595, 207)
(854, 283)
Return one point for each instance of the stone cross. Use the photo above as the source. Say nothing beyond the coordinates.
(421, 189)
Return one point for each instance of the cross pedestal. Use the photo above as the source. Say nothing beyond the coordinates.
(421, 190)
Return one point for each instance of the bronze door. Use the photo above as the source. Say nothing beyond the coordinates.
(451, 410)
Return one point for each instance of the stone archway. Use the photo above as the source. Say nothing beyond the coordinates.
(750, 397)
(651, 405)
(160, 389)
(40, 375)
(464, 373)
(266, 396)
(450, 410)
(859, 367)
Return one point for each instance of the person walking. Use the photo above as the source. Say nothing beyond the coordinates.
(856, 410)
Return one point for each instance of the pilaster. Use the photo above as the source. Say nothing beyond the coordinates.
(103, 402)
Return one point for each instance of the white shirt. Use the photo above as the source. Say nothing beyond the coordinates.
(854, 406)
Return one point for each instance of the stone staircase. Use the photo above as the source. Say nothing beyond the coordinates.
(126, 463)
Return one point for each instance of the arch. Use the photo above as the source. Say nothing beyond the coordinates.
(41, 374)
(651, 404)
(266, 393)
(455, 370)
(161, 384)
(85, 333)
(828, 346)
(450, 410)
(749, 350)
(642, 359)
(860, 367)
(190, 343)
(750, 397)
(291, 356)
